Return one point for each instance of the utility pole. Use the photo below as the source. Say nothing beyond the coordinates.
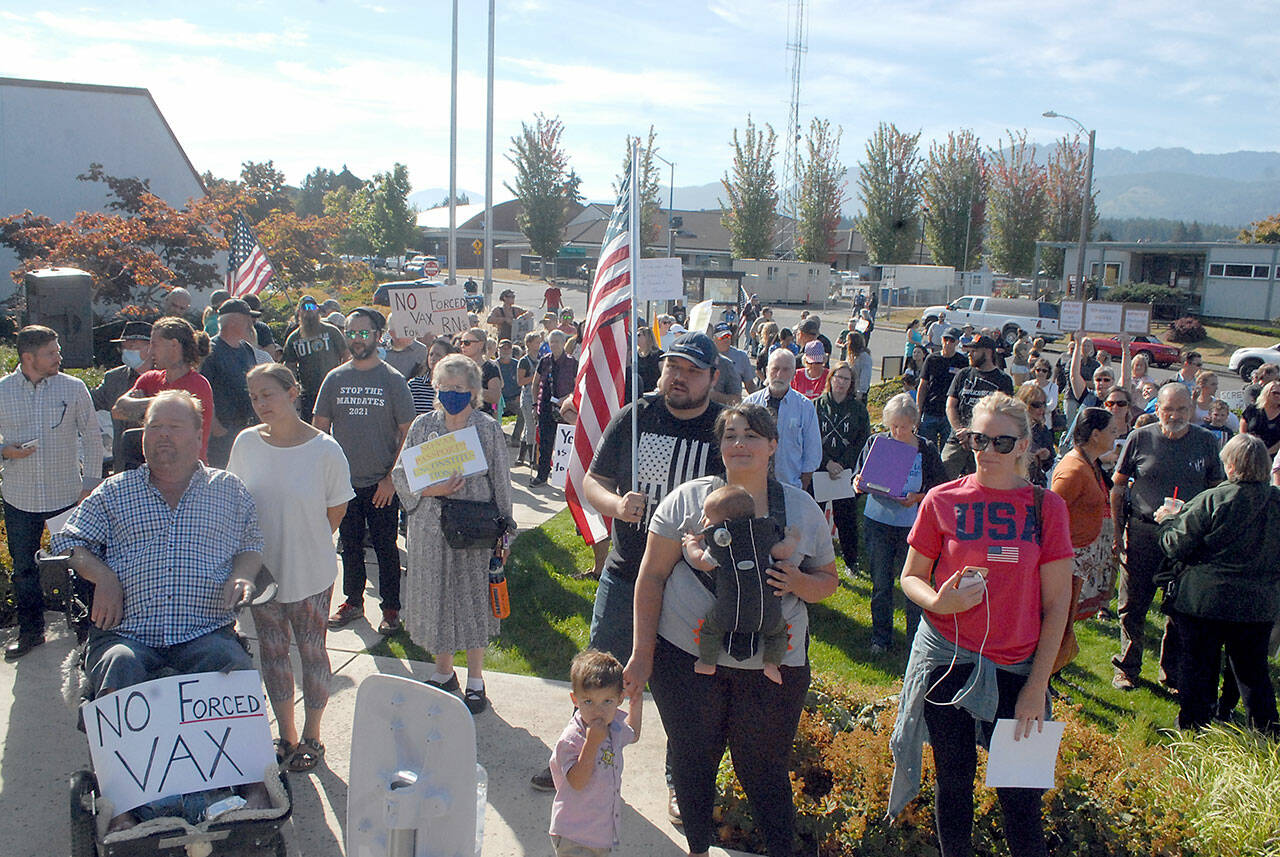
(488, 174)
(453, 153)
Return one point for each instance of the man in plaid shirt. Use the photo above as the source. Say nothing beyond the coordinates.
(171, 548)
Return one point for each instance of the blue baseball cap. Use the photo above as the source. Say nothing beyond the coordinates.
(695, 347)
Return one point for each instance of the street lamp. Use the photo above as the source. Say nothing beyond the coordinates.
(671, 201)
(1088, 198)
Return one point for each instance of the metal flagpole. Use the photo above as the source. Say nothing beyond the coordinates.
(453, 153)
(633, 263)
(488, 173)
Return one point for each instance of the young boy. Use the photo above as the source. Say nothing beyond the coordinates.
(1217, 421)
(586, 764)
(733, 545)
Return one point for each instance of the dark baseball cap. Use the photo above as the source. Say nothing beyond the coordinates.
(981, 342)
(951, 333)
(135, 331)
(723, 330)
(695, 347)
(236, 305)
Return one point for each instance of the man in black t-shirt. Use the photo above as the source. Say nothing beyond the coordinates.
(935, 384)
(980, 380)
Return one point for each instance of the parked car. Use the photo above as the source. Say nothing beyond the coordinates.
(1157, 352)
(1245, 360)
(1006, 315)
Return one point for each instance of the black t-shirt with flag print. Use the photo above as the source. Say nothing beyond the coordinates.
(671, 452)
(970, 385)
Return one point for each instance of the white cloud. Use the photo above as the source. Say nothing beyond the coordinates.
(169, 32)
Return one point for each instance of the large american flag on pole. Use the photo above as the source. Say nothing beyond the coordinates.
(248, 269)
(602, 370)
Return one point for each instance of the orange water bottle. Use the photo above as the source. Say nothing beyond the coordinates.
(499, 603)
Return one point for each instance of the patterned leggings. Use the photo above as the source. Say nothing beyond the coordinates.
(308, 619)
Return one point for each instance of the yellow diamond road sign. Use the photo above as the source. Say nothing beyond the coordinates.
(477, 245)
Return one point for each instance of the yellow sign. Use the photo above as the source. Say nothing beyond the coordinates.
(437, 459)
(477, 245)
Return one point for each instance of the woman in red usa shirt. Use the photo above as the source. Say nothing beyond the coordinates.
(990, 564)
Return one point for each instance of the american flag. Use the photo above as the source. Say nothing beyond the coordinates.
(744, 323)
(602, 370)
(248, 269)
(1002, 553)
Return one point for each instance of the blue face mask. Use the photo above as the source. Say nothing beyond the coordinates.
(131, 358)
(454, 402)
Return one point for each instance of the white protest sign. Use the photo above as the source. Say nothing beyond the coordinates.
(1027, 763)
(1102, 317)
(659, 280)
(441, 310)
(1233, 398)
(827, 487)
(1137, 318)
(1070, 316)
(437, 458)
(178, 735)
(561, 454)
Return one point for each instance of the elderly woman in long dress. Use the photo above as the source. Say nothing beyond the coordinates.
(447, 596)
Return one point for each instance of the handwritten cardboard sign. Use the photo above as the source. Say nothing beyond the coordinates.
(436, 459)
(178, 735)
(561, 454)
(436, 309)
(1071, 316)
(659, 279)
(1103, 317)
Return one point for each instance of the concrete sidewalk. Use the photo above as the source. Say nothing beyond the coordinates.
(41, 747)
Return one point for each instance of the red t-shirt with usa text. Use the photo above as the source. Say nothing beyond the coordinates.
(963, 523)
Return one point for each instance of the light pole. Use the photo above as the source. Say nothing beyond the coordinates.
(671, 201)
(488, 171)
(1085, 203)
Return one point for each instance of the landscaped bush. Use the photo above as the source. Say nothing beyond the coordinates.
(1186, 329)
(1144, 293)
(1115, 793)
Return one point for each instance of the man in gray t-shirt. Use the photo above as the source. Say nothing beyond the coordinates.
(366, 405)
(1171, 459)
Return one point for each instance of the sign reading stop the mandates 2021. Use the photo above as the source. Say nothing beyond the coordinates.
(178, 735)
(436, 309)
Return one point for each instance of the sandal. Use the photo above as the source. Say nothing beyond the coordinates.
(284, 751)
(307, 756)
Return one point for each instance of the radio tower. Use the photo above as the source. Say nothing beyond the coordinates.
(797, 46)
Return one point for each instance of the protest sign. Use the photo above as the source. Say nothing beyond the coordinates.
(1102, 317)
(441, 310)
(561, 454)
(1070, 316)
(437, 458)
(1137, 318)
(178, 735)
(659, 279)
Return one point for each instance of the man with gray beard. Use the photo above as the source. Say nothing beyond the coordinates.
(311, 351)
(1172, 459)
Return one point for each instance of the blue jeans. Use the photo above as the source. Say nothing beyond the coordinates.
(886, 554)
(24, 530)
(935, 428)
(612, 618)
(114, 661)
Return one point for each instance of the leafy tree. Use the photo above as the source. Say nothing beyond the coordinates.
(298, 246)
(752, 191)
(954, 187)
(380, 211)
(889, 181)
(545, 184)
(314, 187)
(650, 207)
(822, 184)
(266, 189)
(1018, 205)
(1266, 231)
(337, 203)
(460, 199)
(1065, 188)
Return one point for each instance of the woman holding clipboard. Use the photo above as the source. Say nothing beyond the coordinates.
(889, 518)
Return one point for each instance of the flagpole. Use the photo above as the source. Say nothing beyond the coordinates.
(634, 266)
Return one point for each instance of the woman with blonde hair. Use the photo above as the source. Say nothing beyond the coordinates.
(990, 565)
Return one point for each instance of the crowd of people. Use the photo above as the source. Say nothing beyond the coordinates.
(1035, 491)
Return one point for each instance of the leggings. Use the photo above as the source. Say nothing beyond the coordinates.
(756, 718)
(955, 754)
(308, 620)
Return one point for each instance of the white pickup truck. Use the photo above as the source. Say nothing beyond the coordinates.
(1007, 316)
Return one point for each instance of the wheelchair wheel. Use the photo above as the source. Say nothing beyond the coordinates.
(84, 842)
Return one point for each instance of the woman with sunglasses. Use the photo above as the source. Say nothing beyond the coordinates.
(990, 564)
(1043, 450)
(1263, 419)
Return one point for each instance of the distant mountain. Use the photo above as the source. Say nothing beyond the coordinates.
(433, 196)
(1234, 166)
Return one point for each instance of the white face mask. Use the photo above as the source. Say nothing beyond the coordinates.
(131, 358)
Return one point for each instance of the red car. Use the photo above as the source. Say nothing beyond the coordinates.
(1158, 354)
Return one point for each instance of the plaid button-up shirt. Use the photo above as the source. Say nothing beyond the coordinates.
(58, 414)
(172, 562)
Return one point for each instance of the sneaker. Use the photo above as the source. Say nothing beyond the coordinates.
(673, 809)
(475, 699)
(390, 622)
(1122, 681)
(537, 480)
(345, 615)
(542, 781)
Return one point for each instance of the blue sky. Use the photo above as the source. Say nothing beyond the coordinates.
(367, 83)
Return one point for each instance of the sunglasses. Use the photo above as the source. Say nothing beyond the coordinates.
(1037, 405)
(1003, 444)
(1115, 403)
(310, 307)
(1042, 371)
(359, 334)
(468, 341)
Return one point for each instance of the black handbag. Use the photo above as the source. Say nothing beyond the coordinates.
(471, 523)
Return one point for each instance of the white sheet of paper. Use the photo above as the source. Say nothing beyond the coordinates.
(561, 455)
(827, 487)
(659, 279)
(1070, 316)
(1027, 763)
(57, 522)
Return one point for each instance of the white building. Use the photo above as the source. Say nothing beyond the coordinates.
(51, 132)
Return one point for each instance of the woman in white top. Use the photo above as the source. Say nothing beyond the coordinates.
(1042, 376)
(300, 482)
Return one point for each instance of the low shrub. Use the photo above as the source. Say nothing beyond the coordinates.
(1186, 329)
(1144, 293)
(1112, 796)
(1271, 332)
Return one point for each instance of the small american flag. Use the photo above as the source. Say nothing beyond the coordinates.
(744, 318)
(1002, 553)
(248, 269)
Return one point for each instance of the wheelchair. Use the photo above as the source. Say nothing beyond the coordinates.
(242, 832)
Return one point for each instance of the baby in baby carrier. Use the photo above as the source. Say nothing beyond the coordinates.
(737, 547)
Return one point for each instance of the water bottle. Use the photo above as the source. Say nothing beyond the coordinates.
(499, 603)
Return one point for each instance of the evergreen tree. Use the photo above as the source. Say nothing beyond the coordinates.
(545, 184)
(752, 191)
